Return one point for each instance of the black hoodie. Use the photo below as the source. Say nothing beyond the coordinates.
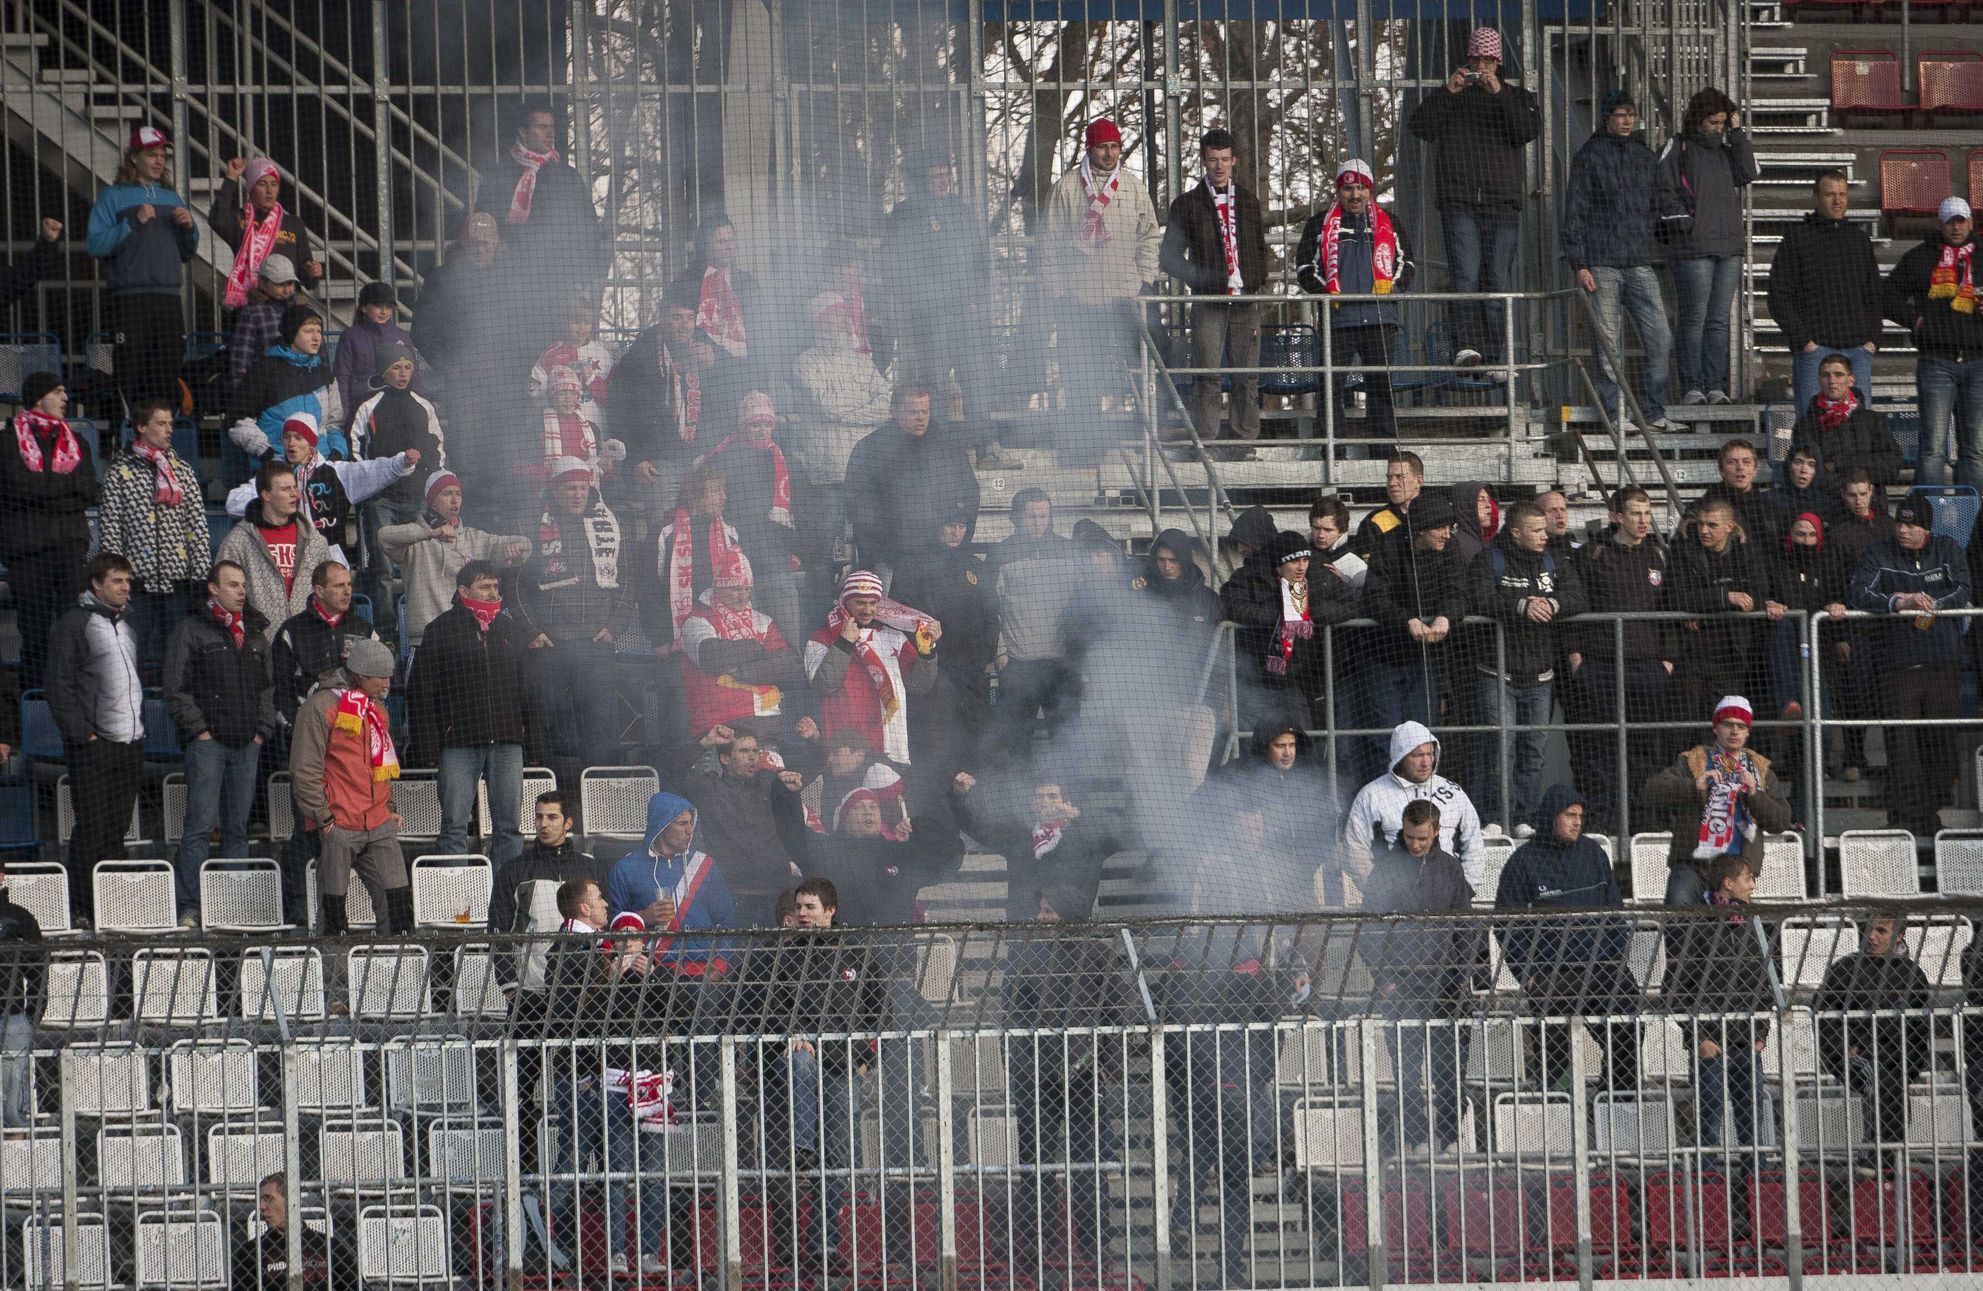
(1546, 874)
(1825, 284)
(1501, 581)
(1622, 579)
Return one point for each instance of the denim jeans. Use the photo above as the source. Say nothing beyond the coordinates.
(375, 515)
(1705, 288)
(1951, 397)
(575, 686)
(1526, 707)
(1804, 374)
(1742, 1083)
(1633, 291)
(16, 1071)
(1406, 690)
(220, 789)
(1481, 247)
(823, 1106)
(595, 1133)
(460, 771)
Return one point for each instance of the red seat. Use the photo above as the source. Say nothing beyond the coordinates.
(1912, 182)
(1951, 83)
(1975, 176)
(1866, 82)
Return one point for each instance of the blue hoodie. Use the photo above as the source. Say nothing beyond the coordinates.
(140, 258)
(640, 876)
(1546, 875)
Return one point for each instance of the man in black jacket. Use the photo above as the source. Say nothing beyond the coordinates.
(543, 204)
(1355, 248)
(1057, 856)
(1716, 570)
(734, 810)
(1756, 510)
(946, 580)
(1825, 291)
(1416, 590)
(21, 962)
(1482, 125)
(1843, 432)
(901, 478)
(1717, 965)
(556, 855)
(1871, 1032)
(217, 691)
(1932, 293)
(1215, 243)
(937, 269)
(1278, 607)
(261, 1263)
(315, 641)
(472, 711)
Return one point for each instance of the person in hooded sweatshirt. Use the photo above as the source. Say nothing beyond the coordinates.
(1716, 569)
(1569, 965)
(1810, 577)
(1932, 293)
(291, 378)
(1702, 173)
(1477, 519)
(1416, 590)
(144, 234)
(1280, 781)
(1377, 812)
(1825, 289)
(1252, 529)
(1843, 432)
(676, 888)
(1278, 609)
(1848, 647)
(1717, 799)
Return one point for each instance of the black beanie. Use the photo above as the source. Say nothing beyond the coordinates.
(35, 387)
(293, 319)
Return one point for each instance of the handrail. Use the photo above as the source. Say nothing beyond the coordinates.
(1625, 390)
(1218, 498)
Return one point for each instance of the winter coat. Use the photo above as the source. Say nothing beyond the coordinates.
(878, 880)
(1619, 579)
(257, 326)
(1719, 649)
(566, 603)
(469, 688)
(1377, 812)
(813, 982)
(1810, 578)
(1194, 253)
(332, 494)
(1408, 582)
(642, 404)
(292, 239)
(563, 222)
(1610, 211)
(1468, 539)
(738, 821)
(1825, 284)
(281, 383)
(1388, 525)
(1481, 137)
(644, 874)
(427, 566)
(165, 545)
(306, 647)
(1892, 984)
(1119, 268)
(750, 479)
(92, 675)
(1068, 875)
(389, 423)
(330, 771)
(141, 259)
(1864, 440)
(1941, 570)
(1716, 964)
(21, 959)
(936, 253)
(687, 285)
(1182, 616)
(901, 487)
(1034, 578)
(1356, 275)
(953, 586)
(215, 687)
(44, 509)
(1251, 599)
(357, 360)
(536, 864)
(469, 327)
(1936, 325)
(1500, 589)
(1701, 178)
(1849, 536)
(245, 546)
(1422, 967)
(1545, 874)
(1672, 794)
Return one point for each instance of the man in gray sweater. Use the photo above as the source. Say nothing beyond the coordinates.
(432, 549)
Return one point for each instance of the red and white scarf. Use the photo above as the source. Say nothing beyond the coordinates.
(483, 612)
(1281, 653)
(30, 425)
(318, 606)
(1954, 277)
(357, 715)
(719, 315)
(1832, 413)
(688, 393)
(679, 572)
(1384, 253)
(1226, 206)
(166, 492)
(1094, 230)
(1047, 837)
(257, 240)
(236, 624)
(526, 183)
(759, 437)
(571, 434)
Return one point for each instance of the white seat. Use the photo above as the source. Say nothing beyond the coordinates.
(213, 1078)
(536, 780)
(936, 966)
(172, 806)
(174, 987)
(330, 1077)
(289, 979)
(925, 1146)
(470, 1156)
(366, 1155)
(1328, 1135)
(1649, 869)
(135, 896)
(242, 895)
(417, 797)
(1782, 878)
(1664, 1059)
(140, 1156)
(1532, 1126)
(1645, 955)
(181, 1249)
(358, 911)
(401, 1244)
(1878, 863)
(242, 1154)
(613, 801)
(992, 1134)
(451, 891)
(1495, 1053)
(65, 817)
(1938, 1120)
(478, 991)
(977, 1066)
(1503, 979)
(1958, 859)
(1800, 1041)
(108, 1079)
(1496, 849)
(1307, 1058)
(282, 807)
(75, 989)
(1830, 1121)
(1810, 944)
(387, 982)
(694, 1150)
(43, 1253)
(1937, 942)
(431, 1075)
(42, 889)
(1640, 1125)
(31, 1161)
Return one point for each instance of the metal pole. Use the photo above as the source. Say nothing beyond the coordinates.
(1160, 1159)
(292, 1163)
(1503, 700)
(1624, 752)
(1325, 386)
(1793, 1210)
(946, 1163)
(1814, 771)
(71, 1237)
(1373, 1168)
(382, 160)
(1173, 91)
(1580, 1148)
(512, 1163)
(731, 1206)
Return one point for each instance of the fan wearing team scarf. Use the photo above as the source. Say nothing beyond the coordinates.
(153, 514)
(1053, 853)
(1355, 249)
(1279, 608)
(571, 431)
(431, 549)
(388, 423)
(726, 297)
(1718, 798)
(678, 563)
(1100, 247)
(869, 658)
(1215, 243)
(582, 352)
(1932, 293)
(248, 215)
(543, 205)
(676, 888)
(47, 485)
(291, 378)
(757, 478)
(330, 491)
(843, 762)
(878, 868)
(1844, 432)
(736, 665)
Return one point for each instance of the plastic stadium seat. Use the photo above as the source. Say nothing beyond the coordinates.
(1328, 1135)
(240, 1154)
(1958, 860)
(213, 1077)
(1497, 848)
(387, 983)
(1289, 348)
(1533, 1127)
(417, 794)
(451, 891)
(1440, 350)
(331, 1078)
(613, 801)
(141, 1155)
(467, 1156)
(1912, 182)
(284, 980)
(23, 354)
(180, 1249)
(478, 991)
(1649, 852)
(369, 1154)
(282, 807)
(1951, 82)
(1955, 507)
(1810, 944)
(241, 895)
(75, 990)
(1937, 942)
(107, 1080)
(42, 888)
(1633, 1125)
(536, 780)
(1782, 878)
(1906, 430)
(41, 738)
(1878, 863)
(31, 1161)
(43, 1252)
(431, 1075)
(135, 896)
(174, 987)
(403, 1244)
(1866, 83)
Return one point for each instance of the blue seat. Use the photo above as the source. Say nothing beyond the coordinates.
(1290, 347)
(1439, 350)
(17, 833)
(1404, 383)
(25, 353)
(86, 435)
(1906, 428)
(399, 629)
(41, 739)
(1955, 507)
(219, 524)
(362, 604)
(185, 439)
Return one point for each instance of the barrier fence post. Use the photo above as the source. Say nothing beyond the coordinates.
(513, 1229)
(1373, 1168)
(1580, 1144)
(731, 1227)
(946, 1163)
(1160, 1158)
(71, 1244)
(292, 1155)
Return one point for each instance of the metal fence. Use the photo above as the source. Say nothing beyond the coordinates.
(1340, 1101)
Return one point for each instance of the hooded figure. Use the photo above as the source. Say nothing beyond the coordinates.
(676, 887)
(951, 583)
(1282, 782)
(1378, 810)
(1470, 535)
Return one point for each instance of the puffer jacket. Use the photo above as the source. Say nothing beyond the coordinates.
(1938, 327)
(93, 686)
(1701, 179)
(281, 383)
(1611, 209)
(165, 545)
(1480, 138)
(1546, 874)
(216, 688)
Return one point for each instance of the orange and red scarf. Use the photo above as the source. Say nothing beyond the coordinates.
(358, 715)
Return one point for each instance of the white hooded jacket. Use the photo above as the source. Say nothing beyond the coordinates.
(1377, 812)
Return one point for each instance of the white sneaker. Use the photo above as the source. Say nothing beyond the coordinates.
(1467, 358)
(617, 1266)
(1525, 830)
(1498, 377)
(1693, 397)
(1719, 396)
(1661, 424)
(651, 1266)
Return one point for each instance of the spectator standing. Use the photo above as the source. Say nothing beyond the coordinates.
(1355, 248)
(258, 323)
(680, 560)
(472, 711)
(881, 864)
(341, 767)
(1761, 518)
(1555, 506)
(841, 383)
(154, 513)
(1932, 293)
(757, 488)
(1482, 126)
(736, 664)
(44, 261)
(279, 550)
(1607, 236)
(738, 820)
(1716, 965)
(1278, 607)
(901, 479)
(1848, 646)
(583, 354)
(895, 648)
(544, 205)
(675, 887)
(1811, 579)
(98, 701)
(658, 390)
(1872, 1034)
(1717, 800)
(312, 644)
(383, 426)
(1100, 248)
(247, 214)
(1920, 654)
(1716, 571)
(1404, 480)
(1416, 590)
(1033, 573)
(1825, 290)
(555, 855)
(1702, 172)
(1055, 855)
(1477, 519)
(144, 234)
(1842, 431)
(261, 1262)
(22, 965)
(1377, 813)
(728, 309)
(953, 586)
(47, 485)
(1215, 243)
(371, 333)
(937, 272)
(291, 379)
(217, 692)
(329, 491)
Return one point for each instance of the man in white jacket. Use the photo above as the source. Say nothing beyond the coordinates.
(1377, 812)
(1100, 249)
(329, 491)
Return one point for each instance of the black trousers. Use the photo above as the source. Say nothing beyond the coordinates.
(1592, 696)
(103, 785)
(1921, 759)
(151, 345)
(44, 584)
(1367, 344)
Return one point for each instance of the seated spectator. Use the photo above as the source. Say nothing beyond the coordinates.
(1033, 573)
(472, 711)
(258, 324)
(757, 502)
(1843, 431)
(1800, 486)
(383, 426)
(279, 551)
(882, 867)
(261, 1263)
(372, 333)
(675, 887)
(1848, 647)
(1277, 608)
(218, 694)
(1918, 656)
(901, 478)
(434, 546)
(953, 585)
(572, 596)
(735, 809)
(1720, 569)
(153, 512)
(1377, 813)
(571, 429)
(1404, 480)
(1056, 856)
(555, 855)
(290, 378)
(21, 969)
(315, 641)
(736, 666)
(895, 646)
(1714, 966)
(679, 561)
(581, 353)
(329, 492)
(1717, 799)
(1424, 975)
(1754, 509)
(1871, 1032)
(47, 486)
(248, 215)
(1416, 590)
(1572, 967)
(341, 767)
(1477, 519)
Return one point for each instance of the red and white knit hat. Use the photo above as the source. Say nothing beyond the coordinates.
(439, 480)
(1736, 707)
(860, 582)
(563, 378)
(304, 424)
(1355, 171)
(1484, 43)
(569, 468)
(756, 409)
(733, 569)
